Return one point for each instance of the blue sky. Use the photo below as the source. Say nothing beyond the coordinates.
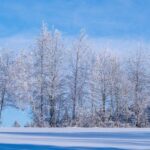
(100, 18)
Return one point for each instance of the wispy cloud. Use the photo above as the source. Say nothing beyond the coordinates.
(117, 20)
(114, 18)
(17, 42)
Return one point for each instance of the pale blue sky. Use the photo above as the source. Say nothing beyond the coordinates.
(100, 18)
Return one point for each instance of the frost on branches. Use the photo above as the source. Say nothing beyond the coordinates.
(66, 83)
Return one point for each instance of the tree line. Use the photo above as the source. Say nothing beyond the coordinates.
(69, 84)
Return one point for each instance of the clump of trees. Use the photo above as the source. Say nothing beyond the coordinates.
(71, 85)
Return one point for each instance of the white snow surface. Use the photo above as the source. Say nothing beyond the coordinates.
(121, 138)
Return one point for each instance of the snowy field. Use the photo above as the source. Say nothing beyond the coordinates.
(74, 139)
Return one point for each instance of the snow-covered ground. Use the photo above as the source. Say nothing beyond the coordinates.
(74, 139)
(21, 116)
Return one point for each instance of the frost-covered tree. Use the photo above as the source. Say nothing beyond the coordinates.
(115, 88)
(54, 76)
(13, 80)
(106, 86)
(4, 79)
(46, 76)
(100, 82)
(138, 76)
(77, 77)
(20, 80)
